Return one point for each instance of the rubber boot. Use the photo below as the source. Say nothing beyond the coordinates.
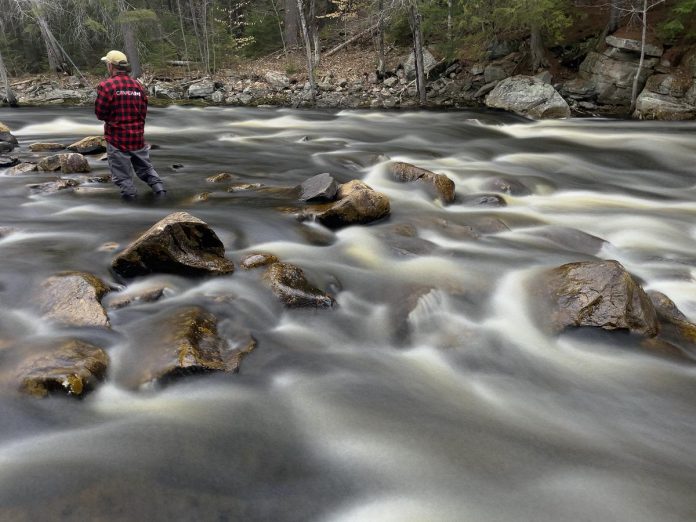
(128, 198)
(158, 190)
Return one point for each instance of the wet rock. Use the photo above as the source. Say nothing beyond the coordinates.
(73, 163)
(528, 96)
(506, 186)
(321, 187)
(571, 239)
(74, 299)
(148, 294)
(89, 145)
(181, 244)
(484, 200)
(244, 187)
(73, 368)
(358, 206)
(257, 260)
(184, 342)
(456, 231)
(7, 141)
(49, 163)
(6, 147)
(8, 161)
(438, 185)
(675, 326)
(222, 177)
(595, 293)
(50, 187)
(289, 284)
(46, 147)
(346, 189)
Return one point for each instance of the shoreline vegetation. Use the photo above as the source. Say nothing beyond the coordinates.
(624, 58)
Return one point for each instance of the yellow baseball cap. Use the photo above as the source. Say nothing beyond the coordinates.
(115, 58)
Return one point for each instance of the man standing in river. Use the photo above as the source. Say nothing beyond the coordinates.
(122, 105)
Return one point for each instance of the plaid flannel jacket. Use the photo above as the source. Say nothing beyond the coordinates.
(122, 105)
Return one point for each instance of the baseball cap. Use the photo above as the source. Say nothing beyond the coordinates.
(115, 58)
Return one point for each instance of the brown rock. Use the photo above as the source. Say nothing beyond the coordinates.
(22, 168)
(507, 186)
(438, 185)
(46, 147)
(257, 259)
(74, 299)
(89, 145)
(595, 293)
(180, 244)
(73, 163)
(185, 342)
(360, 206)
(346, 189)
(50, 163)
(289, 284)
(129, 297)
(54, 186)
(221, 177)
(674, 325)
(73, 368)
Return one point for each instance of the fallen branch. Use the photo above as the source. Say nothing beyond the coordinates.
(355, 38)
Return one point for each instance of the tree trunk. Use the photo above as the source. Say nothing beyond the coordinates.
(415, 18)
(314, 31)
(4, 78)
(55, 61)
(308, 48)
(280, 26)
(450, 33)
(381, 66)
(536, 48)
(634, 91)
(291, 24)
(614, 17)
(130, 45)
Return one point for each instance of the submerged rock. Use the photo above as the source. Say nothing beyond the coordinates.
(74, 368)
(8, 161)
(89, 145)
(54, 186)
(179, 244)
(437, 185)
(221, 177)
(289, 284)
(74, 299)
(129, 297)
(484, 200)
(506, 186)
(185, 342)
(595, 293)
(46, 147)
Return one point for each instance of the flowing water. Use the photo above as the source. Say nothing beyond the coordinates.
(428, 393)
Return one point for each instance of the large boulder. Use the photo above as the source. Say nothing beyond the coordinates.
(180, 244)
(632, 44)
(73, 368)
(89, 145)
(289, 284)
(675, 326)
(201, 89)
(437, 185)
(7, 140)
(653, 106)
(277, 80)
(74, 299)
(595, 293)
(429, 62)
(357, 204)
(182, 342)
(528, 96)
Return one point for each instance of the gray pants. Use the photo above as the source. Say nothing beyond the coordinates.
(122, 163)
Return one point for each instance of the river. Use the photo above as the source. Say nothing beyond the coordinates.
(450, 406)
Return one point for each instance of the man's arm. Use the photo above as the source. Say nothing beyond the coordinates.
(102, 106)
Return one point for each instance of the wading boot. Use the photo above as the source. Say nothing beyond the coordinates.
(158, 191)
(128, 198)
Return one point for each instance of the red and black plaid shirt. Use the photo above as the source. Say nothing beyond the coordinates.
(122, 105)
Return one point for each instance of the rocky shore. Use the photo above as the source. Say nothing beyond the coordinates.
(602, 85)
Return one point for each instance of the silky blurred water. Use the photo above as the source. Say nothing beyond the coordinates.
(429, 393)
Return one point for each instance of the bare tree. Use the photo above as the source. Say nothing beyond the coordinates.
(417, 30)
(308, 49)
(643, 10)
(4, 78)
(292, 17)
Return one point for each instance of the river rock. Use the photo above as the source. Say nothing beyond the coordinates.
(277, 80)
(179, 243)
(22, 168)
(73, 367)
(357, 206)
(46, 147)
(528, 96)
(675, 326)
(595, 293)
(147, 294)
(221, 177)
(653, 106)
(438, 185)
(89, 145)
(289, 284)
(7, 140)
(8, 161)
(257, 260)
(49, 163)
(74, 299)
(73, 163)
(321, 187)
(183, 342)
(201, 89)
(51, 187)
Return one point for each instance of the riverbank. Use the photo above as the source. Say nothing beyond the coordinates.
(580, 81)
